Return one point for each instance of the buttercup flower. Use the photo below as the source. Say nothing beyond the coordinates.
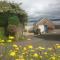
(30, 46)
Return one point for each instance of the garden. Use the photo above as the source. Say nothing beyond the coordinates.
(14, 51)
(12, 22)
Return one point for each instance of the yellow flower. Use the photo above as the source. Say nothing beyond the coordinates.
(17, 59)
(32, 50)
(53, 58)
(35, 55)
(41, 48)
(58, 46)
(21, 57)
(23, 53)
(45, 53)
(12, 53)
(40, 56)
(9, 40)
(2, 41)
(25, 48)
(14, 45)
(30, 46)
(11, 37)
(17, 48)
(49, 49)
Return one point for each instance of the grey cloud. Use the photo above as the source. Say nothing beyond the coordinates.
(42, 8)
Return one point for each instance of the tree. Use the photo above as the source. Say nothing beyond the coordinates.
(22, 15)
(12, 11)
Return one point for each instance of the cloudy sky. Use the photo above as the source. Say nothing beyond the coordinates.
(37, 9)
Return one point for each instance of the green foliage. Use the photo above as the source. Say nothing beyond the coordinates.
(1, 33)
(3, 19)
(11, 30)
(13, 8)
(13, 20)
(11, 13)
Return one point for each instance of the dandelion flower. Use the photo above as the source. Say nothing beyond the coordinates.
(23, 53)
(11, 37)
(14, 45)
(12, 53)
(9, 40)
(49, 49)
(53, 58)
(21, 57)
(35, 55)
(30, 46)
(2, 41)
(58, 46)
(17, 59)
(40, 56)
(17, 48)
(45, 53)
(41, 48)
(32, 50)
(24, 48)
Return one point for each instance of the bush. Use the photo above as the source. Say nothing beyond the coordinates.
(12, 30)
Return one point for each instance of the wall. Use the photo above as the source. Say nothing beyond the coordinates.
(28, 28)
(42, 29)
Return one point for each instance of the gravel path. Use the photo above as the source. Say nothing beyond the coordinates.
(37, 41)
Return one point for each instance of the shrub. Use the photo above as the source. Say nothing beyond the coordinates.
(12, 30)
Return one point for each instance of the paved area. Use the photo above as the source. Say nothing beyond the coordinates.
(37, 41)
